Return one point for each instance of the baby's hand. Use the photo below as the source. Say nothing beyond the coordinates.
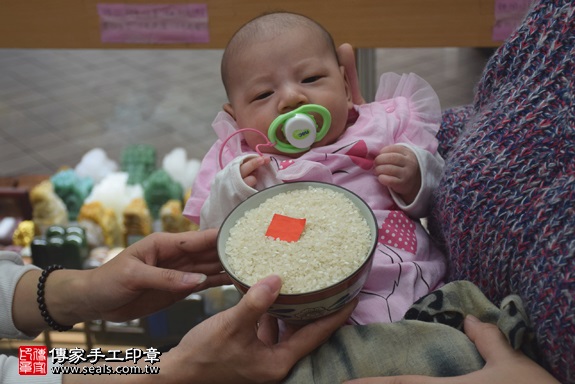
(397, 168)
(249, 167)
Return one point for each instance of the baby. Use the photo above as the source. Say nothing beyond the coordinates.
(383, 151)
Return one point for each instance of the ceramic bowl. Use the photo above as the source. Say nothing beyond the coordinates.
(304, 307)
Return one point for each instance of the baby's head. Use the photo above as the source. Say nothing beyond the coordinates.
(278, 62)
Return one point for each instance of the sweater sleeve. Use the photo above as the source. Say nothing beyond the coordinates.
(11, 270)
(9, 373)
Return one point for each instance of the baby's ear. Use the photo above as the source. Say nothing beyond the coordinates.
(346, 57)
(228, 108)
(348, 90)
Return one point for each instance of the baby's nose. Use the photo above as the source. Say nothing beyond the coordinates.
(292, 99)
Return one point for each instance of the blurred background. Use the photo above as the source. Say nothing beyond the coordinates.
(56, 105)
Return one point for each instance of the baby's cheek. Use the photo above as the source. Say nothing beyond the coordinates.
(254, 138)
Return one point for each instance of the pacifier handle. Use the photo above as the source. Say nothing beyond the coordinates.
(300, 115)
(300, 118)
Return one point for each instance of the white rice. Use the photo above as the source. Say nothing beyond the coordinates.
(334, 243)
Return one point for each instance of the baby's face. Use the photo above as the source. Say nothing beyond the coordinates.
(275, 76)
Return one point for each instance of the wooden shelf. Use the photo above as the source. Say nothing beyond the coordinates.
(74, 24)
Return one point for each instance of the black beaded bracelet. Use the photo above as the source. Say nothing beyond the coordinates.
(42, 302)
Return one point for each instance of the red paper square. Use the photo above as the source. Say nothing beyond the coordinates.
(285, 228)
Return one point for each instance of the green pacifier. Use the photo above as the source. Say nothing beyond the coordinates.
(299, 128)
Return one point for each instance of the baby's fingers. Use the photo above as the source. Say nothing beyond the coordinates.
(250, 165)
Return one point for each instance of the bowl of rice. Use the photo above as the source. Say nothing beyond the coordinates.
(318, 237)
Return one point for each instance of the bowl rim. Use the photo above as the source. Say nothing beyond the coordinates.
(319, 184)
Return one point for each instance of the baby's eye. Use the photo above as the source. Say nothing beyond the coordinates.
(263, 95)
(311, 79)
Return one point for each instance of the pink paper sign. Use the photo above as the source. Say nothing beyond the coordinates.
(508, 16)
(154, 24)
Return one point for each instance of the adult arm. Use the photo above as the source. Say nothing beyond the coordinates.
(147, 276)
(503, 364)
(236, 346)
